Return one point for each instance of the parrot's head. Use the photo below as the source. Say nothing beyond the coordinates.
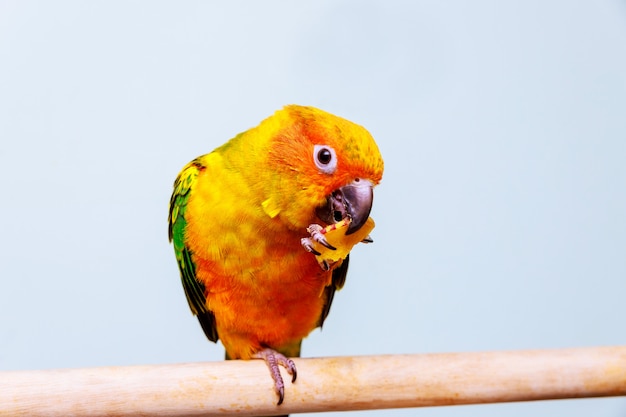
(325, 168)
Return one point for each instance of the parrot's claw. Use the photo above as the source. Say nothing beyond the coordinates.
(307, 244)
(273, 359)
(367, 239)
(317, 234)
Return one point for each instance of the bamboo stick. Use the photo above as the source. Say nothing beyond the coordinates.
(244, 388)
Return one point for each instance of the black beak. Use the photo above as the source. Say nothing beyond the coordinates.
(353, 201)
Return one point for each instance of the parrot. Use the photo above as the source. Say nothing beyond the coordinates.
(262, 228)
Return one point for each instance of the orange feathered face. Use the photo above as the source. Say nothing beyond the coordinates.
(326, 167)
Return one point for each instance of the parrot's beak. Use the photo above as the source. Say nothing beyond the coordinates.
(353, 201)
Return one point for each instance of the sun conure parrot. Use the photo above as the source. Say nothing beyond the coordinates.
(262, 227)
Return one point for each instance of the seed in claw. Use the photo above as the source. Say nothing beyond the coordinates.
(335, 235)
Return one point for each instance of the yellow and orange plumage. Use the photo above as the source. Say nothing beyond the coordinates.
(238, 216)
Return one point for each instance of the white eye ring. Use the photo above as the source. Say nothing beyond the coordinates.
(325, 158)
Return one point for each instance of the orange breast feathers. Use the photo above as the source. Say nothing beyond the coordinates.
(262, 286)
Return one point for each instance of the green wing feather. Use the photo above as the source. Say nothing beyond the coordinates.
(194, 290)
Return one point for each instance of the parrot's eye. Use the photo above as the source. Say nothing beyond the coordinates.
(325, 158)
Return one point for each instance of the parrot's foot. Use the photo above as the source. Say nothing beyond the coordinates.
(273, 359)
(317, 235)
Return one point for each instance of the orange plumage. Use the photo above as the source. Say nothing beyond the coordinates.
(238, 216)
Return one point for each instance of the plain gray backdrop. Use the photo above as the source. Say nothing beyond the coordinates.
(500, 218)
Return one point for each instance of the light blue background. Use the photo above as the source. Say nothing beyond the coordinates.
(500, 218)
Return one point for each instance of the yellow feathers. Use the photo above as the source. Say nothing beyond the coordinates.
(253, 274)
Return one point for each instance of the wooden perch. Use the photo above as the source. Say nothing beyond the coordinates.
(244, 388)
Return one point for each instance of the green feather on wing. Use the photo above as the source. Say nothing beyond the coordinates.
(194, 290)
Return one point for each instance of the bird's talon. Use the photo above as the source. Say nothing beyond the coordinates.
(281, 395)
(367, 239)
(324, 242)
(307, 244)
(317, 235)
(273, 359)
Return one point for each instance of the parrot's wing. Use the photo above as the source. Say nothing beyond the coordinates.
(339, 278)
(194, 290)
